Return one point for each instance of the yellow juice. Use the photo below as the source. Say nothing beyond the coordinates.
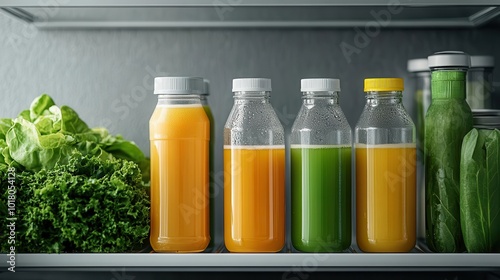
(179, 178)
(385, 197)
(254, 198)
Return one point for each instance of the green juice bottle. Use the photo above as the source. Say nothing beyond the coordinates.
(321, 170)
(447, 121)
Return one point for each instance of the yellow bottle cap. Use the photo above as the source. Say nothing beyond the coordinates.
(384, 84)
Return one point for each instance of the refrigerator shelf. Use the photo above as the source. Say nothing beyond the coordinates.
(349, 261)
(254, 13)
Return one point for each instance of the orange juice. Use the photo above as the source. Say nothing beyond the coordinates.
(385, 197)
(254, 198)
(179, 137)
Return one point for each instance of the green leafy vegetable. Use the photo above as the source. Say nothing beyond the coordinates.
(46, 134)
(78, 189)
(40, 105)
(91, 206)
(5, 125)
(35, 151)
(71, 123)
(479, 190)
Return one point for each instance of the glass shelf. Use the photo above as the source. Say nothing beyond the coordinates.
(352, 260)
(255, 13)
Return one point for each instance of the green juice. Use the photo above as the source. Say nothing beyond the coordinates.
(321, 197)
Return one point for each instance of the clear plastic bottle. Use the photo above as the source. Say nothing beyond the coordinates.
(179, 135)
(421, 74)
(479, 82)
(385, 170)
(420, 94)
(448, 120)
(254, 171)
(321, 170)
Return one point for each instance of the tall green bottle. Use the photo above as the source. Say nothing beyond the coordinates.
(447, 121)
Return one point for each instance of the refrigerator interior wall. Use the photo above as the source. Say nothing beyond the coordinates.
(107, 75)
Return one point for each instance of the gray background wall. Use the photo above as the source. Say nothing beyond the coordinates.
(107, 75)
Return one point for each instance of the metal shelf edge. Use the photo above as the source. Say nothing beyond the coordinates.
(248, 3)
(430, 260)
(455, 23)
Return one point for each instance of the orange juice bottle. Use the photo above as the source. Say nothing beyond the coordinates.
(179, 134)
(212, 197)
(254, 171)
(385, 170)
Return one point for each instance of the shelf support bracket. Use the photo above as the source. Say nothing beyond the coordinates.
(484, 16)
(20, 14)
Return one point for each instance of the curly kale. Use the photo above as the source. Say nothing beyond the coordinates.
(87, 205)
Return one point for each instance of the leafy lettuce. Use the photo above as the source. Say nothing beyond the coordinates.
(46, 134)
(77, 189)
(480, 190)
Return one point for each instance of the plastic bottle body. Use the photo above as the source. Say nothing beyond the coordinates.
(480, 90)
(423, 100)
(321, 175)
(208, 111)
(254, 176)
(179, 137)
(448, 120)
(385, 175)
(420, 94)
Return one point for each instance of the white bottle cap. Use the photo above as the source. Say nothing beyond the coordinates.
(319, 85)
(482, 61)
(206, 87)
(251, 84)
(449, 59)
(418, 65)
(178, 85)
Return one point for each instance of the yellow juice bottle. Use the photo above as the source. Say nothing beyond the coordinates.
(254, 171)
(385, 149)
(212, 197)
(386, 182)
(179, 136)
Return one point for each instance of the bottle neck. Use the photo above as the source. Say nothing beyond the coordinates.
(375, 98)
(243, 97)
(203, 99)
(179, 99)
(323, 97)
(448, 84)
